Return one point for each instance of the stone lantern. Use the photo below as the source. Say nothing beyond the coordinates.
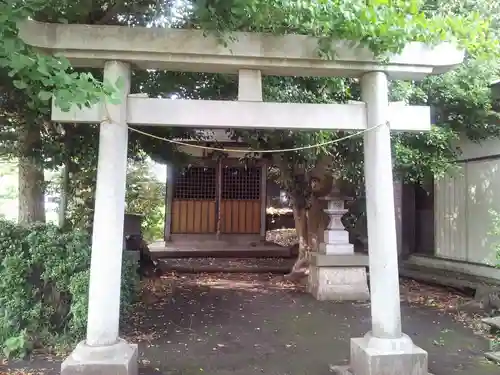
(336, 273)
(336, 238)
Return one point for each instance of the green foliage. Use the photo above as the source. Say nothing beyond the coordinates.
(16, 345)
(146, 196)
(44, 285)
(420, 157)
(42, 76)
(384, 26)
(79, 287)
(462, 98)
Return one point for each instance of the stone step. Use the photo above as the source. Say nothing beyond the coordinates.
(493, 322)
(432, 278)
(493, 356)
(445, 278)
(222, 253)
(450, 273)
(227, 265)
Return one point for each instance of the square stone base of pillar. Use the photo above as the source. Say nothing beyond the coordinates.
(338, 283)
(118, 359)
(374, 356)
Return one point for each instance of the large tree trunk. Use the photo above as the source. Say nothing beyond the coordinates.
(300, 219)
(65, 172)
(31, 177)
(301, 266)
(63, 203)
(311, 222)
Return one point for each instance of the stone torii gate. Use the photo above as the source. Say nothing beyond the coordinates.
(383, 350)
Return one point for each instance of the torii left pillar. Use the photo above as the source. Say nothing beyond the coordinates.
(103, 351)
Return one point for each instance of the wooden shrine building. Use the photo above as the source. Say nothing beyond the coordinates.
(217, 195)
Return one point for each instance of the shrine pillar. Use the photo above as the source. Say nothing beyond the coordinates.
(103, 351)
(385, 349)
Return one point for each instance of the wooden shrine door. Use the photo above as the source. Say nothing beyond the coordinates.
(240, 204)
(208, 199)
(194, 201)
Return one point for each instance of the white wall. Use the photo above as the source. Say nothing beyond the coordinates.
(462, 202)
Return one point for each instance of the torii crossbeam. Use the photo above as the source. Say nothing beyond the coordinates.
(251, 115)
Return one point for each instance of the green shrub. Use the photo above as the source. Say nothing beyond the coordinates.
(44, 275)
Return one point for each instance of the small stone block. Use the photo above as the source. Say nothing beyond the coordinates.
(336, 236)
(341, 370)
(374, 356)
(338, 283)
(330, 260)
(336, 204)
(118, 359)
(493, 356)
(338, 249)
(493, 322)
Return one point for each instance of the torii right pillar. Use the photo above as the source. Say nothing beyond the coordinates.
(385, 350)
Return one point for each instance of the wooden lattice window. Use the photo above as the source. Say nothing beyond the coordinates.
(196, 183)
(239, 183)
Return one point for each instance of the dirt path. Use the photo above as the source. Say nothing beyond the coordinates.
(255, 324)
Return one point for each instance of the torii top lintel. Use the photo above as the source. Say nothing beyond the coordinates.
(190, 50)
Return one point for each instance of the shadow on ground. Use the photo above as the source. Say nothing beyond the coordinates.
(255, 324)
